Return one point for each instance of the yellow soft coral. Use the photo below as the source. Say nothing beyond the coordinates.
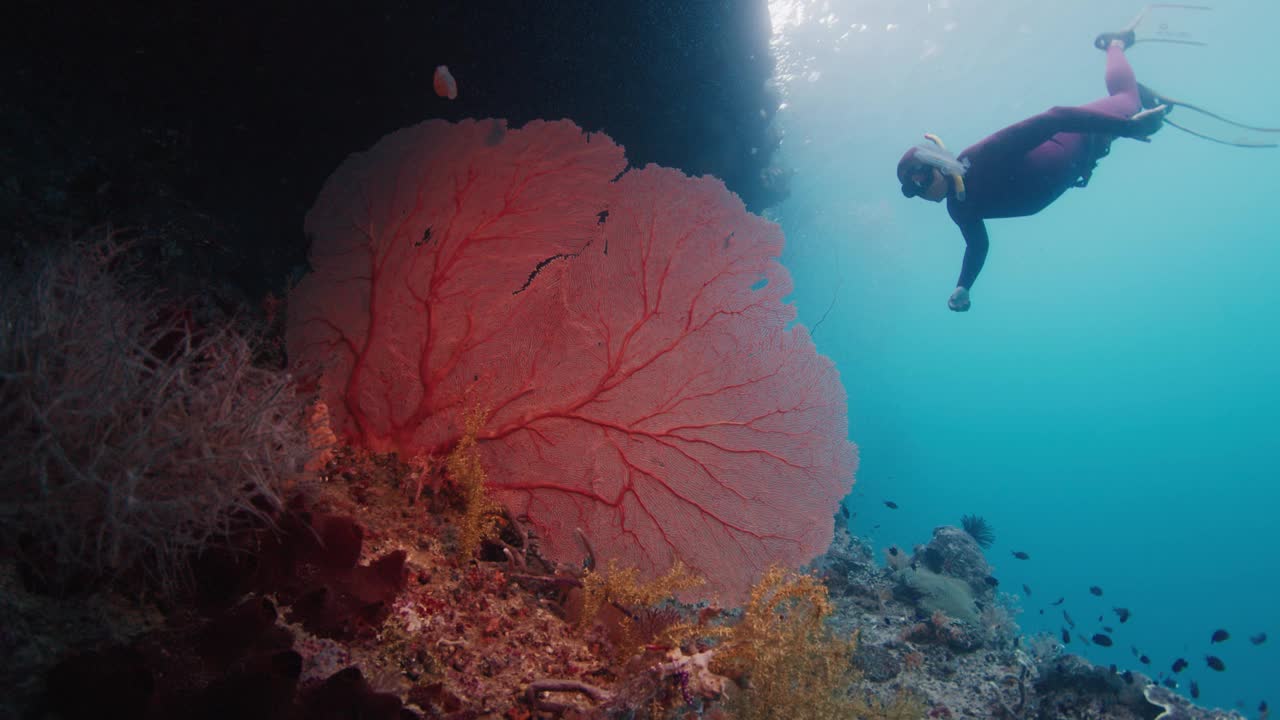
(623, 587)
(791, 660)
(623, 590)
(320, 437)
(481, 513)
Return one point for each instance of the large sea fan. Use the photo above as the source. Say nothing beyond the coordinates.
(626, 334)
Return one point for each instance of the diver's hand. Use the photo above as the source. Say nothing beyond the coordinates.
(1147, 122)
(959, 300)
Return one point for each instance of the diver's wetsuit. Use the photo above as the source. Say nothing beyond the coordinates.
(1023, 168)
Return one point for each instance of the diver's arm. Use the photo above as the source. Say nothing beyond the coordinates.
(1028, 134)
(976, 245)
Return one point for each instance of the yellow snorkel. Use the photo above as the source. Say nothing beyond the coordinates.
(956, 177)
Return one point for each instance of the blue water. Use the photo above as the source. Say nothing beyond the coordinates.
(1110, 403)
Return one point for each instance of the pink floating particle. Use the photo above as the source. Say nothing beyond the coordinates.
(446, 86)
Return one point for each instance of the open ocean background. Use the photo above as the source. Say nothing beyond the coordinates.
(1110, 403)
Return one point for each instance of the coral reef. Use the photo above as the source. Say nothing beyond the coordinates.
(391, 588)
(321, 615)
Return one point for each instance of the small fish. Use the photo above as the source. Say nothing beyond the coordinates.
(991, 580)
(1021, 555)
(1026, 590)
(1108, 628)
(1122, 613)
(1219, 635)
(1067, 617)
(1215, 662)
(1083, 639)
(1057, 602)
(1144, 659)
(1101, 639)
(1066, 637)
(891, 504)
(1179, 665)
(1095, 590)
(1170, 683)
(1128, 677)
(1258, 639)
(893, 551)
(1195, 690)
(1262, 706)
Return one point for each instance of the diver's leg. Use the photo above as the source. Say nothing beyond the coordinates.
(1122, 86)
(1071, 154)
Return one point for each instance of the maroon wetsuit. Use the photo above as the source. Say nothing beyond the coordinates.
(1023, 168)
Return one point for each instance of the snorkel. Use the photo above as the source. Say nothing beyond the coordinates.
(938, 156)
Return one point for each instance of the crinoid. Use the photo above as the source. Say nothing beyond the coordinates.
(978, 529)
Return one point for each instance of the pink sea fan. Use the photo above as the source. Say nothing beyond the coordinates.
(626, 337)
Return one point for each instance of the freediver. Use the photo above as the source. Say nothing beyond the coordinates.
(1023, 168)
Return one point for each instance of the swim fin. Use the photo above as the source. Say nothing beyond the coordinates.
(1147, 29)
(1151, 26)
(1246, 136)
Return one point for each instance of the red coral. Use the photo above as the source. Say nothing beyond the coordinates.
(641, 376)
(314, 569)
(309, 561)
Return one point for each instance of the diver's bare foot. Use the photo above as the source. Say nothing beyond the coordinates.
(1126, 38)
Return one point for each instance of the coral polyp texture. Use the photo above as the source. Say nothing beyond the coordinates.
(623, 332)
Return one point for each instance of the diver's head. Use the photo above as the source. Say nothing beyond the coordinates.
(931, 172)
(921, 179)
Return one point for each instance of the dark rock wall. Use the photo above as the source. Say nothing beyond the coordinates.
(223, 118)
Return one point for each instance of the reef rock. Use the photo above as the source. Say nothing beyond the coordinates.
(952, 552)
(1177, 707)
